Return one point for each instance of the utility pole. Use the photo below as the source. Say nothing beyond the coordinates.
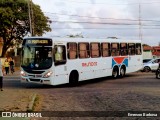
(31, 18)
(140, 24)
(30, 21)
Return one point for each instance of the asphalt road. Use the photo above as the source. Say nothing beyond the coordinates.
(135, 92)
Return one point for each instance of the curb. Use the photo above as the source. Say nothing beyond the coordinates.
(31, 103)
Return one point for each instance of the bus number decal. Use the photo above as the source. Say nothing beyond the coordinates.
(89, 64)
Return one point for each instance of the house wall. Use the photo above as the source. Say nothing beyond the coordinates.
(147, 55)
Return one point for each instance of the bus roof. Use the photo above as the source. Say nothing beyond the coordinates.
(70, 39)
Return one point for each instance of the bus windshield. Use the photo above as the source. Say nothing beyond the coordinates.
(36, 58)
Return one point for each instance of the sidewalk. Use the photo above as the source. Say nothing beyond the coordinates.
(14, 98)
(16, 73)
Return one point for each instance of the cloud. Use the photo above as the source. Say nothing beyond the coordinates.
(117, 10)
(92, 1)
(148, 11)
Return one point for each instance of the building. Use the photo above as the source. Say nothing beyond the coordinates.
(151, 52)
(156, 51)
(147, 52)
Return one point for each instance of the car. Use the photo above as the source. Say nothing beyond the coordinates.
(146, 60)
(151, 65)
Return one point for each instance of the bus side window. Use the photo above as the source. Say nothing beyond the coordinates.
(115, 49)
(72, 50)
(60, 54)
(95, 50)
(105, 49)
(131, 48)
(138, 49)
(84, 50)
(123, 49)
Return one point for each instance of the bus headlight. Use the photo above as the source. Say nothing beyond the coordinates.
(22, 73)
(48, 74)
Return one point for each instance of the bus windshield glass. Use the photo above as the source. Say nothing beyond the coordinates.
(36, 58)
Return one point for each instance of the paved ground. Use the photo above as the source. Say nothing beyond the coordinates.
(137, 91)
(14, 99)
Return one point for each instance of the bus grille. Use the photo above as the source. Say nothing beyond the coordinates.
(36, 80)
(34, 72)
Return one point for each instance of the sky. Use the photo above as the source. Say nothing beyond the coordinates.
(124, 19)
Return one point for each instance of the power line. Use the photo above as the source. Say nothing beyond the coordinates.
(154, 2)
(95, 28)
(90, 16)
(102, 17)
(108, 23)
(87, 22)
(147, 28)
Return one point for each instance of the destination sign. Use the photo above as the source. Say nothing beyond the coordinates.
(37, 41)
(44, 42)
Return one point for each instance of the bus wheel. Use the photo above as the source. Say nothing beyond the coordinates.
(73, 78)
(122, 72)
(115, 72)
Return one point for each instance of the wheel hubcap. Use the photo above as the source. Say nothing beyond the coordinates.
(146, 69)
(122, 72)
(115, 74)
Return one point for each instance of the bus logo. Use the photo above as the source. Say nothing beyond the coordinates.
(89, 64)
(120, 61)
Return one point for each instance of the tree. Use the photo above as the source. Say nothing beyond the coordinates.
(15, 24)
(76, 35)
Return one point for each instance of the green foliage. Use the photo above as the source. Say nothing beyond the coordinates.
(14, 21)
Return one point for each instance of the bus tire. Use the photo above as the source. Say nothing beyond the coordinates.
(122, 72)
(115, 72)
(73, 78)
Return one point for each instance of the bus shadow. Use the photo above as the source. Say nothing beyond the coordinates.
(102, 80)
(80, 84)
(95, 81)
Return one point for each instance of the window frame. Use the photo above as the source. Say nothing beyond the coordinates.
(70, 50)
(87, 51)
(105, 49)
(60, 62)
(123, 49)
(131, 50)
(137, 53)
(115, 50)
(99, 50)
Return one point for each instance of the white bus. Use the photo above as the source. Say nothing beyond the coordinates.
(57, 61)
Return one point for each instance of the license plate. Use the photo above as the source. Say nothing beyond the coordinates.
(38, 75)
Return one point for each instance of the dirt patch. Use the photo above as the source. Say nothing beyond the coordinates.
(14, 100)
